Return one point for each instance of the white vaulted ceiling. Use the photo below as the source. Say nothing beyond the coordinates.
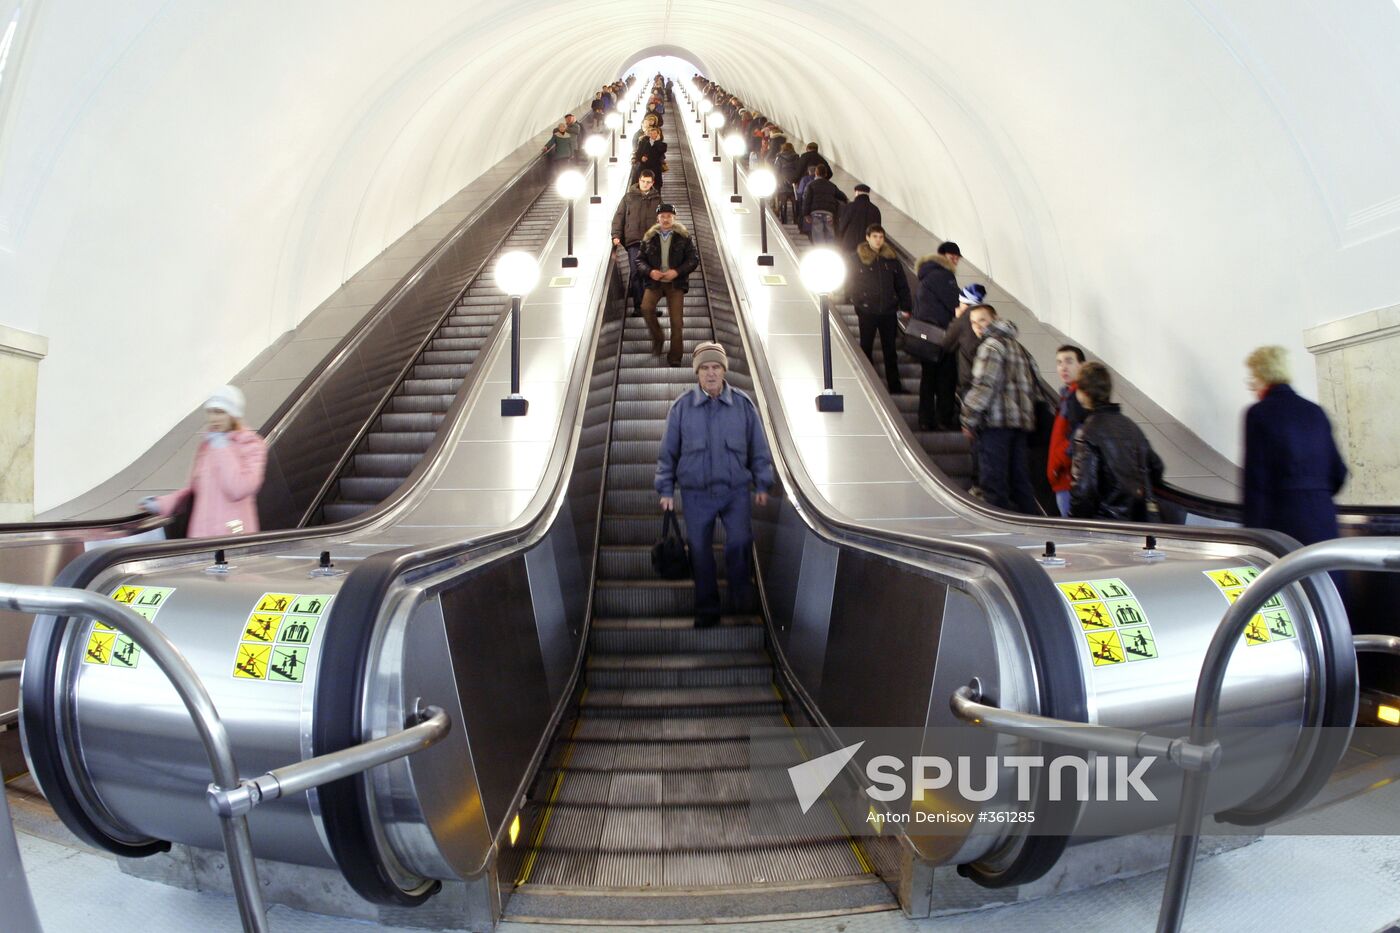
(1171, 182)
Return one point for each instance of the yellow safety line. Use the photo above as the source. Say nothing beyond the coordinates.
(558, 786)
(850, 837)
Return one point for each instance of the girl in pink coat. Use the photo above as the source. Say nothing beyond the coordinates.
(227, 473)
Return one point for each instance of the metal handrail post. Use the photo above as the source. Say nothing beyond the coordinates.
(1338, 554)
(10, 669)
(313, 772)
(1377, 644)
(1087, 736)
(238, 844)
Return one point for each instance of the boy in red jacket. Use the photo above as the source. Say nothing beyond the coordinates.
(1068, 417)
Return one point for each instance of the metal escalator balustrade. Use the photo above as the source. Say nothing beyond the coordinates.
(409, 421)
(648, 783)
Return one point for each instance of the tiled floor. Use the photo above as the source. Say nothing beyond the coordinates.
(1342, 884)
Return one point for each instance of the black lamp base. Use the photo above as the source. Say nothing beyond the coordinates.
(716, 159)
(569, 262)
(612, 160)
(514, 407)
(596, 199)
(736, 199)
(832, 402)
(765, 260)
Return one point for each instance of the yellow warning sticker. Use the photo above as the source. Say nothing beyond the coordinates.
(1257, 633)
(276, 639)
(126, 594)
(1273, 623)
(1226, 579)
(251, 663)
(99, 648)
(1093, 616)
(262, 626)
(107, 647)
(1105, 648)
(1077, 592)
(274, 602)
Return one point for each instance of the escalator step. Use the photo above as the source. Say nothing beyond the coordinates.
(397, 465)
(650, 431)
(680, 639)
(639, 530)
(634, 563)
(646, 598)
(396, 442)
(414, 421)
(730, 676)
(683, 701)
(433, 372)
(344, 511)
(369, 489)
(451, 355)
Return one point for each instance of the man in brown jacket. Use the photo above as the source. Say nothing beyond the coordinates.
(633, 219)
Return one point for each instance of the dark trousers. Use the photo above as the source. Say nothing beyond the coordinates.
(938, 403)
(636, 283)
(1002, 472)
(675, 302)
(735, 509)
(888, 327)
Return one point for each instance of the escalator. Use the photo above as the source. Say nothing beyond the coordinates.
(647, 784)
(400, 433)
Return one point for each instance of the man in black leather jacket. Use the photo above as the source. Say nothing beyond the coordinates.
(1115, 468)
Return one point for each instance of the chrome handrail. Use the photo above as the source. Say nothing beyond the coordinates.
(1381, 554)
(230, 797)
(238, 844)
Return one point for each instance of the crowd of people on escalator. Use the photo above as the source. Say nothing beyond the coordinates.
(976, 376)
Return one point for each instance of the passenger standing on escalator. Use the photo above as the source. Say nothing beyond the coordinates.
(715, 454)
(1292, 467)
(998, 412)
(634, 217)
(821, 203)
(667, 258)
(222, 495)
(1069, 415)
(1115, 468)
(650, 154)
(936, 302)
(879, 291)
(560, 148)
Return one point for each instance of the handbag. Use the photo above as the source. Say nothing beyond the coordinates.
(923, 340)
(670, 556)
(665, 167)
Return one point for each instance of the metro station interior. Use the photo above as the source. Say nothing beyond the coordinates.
(340, 427)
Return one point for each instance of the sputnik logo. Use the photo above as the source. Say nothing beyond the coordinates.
(811, 778)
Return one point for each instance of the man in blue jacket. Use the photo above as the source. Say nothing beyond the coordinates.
(1292, 467)
(714, 449)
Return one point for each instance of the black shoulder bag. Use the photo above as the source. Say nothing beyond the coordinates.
(670, 557)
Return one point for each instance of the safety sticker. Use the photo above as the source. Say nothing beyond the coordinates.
(1078, 592)
(1111, 589)
(99, 648)
(1105, 648)
(1279, 623)
(276, 637)
(1093, 616)
(1257, 633)
(105, 646)
(1115, 624)
(1138, 643)
(125, 653)
(288, 664)
(1274, 623)
(251, 662)
(1126, 612)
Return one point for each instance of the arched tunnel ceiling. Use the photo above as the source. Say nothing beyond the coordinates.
(1171, 183)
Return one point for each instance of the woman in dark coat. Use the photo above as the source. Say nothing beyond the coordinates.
(1292, 467)
(650, 153)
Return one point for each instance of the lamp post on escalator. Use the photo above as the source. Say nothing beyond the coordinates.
(595, 146)
(734, 147)
(570, 184)
(823, 270)
(715, 121)
(762, 183)
(700, 113)
(516, 275)
(613, 122)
